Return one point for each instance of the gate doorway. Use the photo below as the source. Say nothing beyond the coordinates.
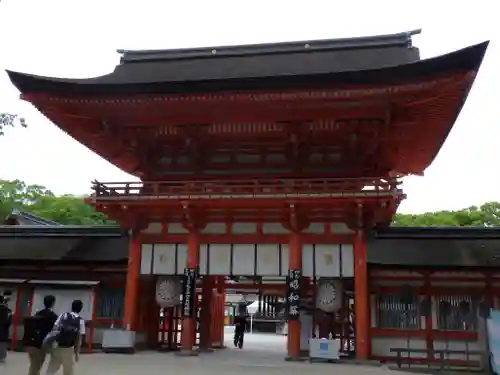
(169, 328)
(265, 306)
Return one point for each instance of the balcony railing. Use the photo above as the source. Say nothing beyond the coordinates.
(289, 188)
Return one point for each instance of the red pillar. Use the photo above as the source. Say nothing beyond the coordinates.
(221, 298)
(362, 297)
(17, 317)
(130, 314)
(206, 315)
(188, 334)
(295, 263)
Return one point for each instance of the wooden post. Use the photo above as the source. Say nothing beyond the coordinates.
(206, 313)
(217, 328)
(295, 264)
(132, 285)
(188, 334)
(16, 318)
(362, 297)
(90, 337)
(221, 292)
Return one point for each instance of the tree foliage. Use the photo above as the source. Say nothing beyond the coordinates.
(38, 200)
(10, 120)
(486, 215)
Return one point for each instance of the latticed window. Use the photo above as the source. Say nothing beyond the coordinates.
(392, 314)
(109, 302)
(453, 317)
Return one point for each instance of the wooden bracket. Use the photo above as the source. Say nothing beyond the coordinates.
(193, 220)
(296, 220)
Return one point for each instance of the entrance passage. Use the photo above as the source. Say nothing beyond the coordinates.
(266, 309)
(170, 328)
(264, 304)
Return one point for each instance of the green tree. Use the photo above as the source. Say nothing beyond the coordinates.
(39, 201)
(18, 195)
(10, 120)
(486, 215)
(67, 209)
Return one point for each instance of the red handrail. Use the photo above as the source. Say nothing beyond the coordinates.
(245, 187)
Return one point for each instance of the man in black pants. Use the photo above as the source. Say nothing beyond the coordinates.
(36, 328)
(240, 325)
(5, 322)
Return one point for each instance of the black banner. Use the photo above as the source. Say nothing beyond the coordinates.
(189, 292)
(293, 294)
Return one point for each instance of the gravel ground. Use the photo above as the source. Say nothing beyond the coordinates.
(261, 352)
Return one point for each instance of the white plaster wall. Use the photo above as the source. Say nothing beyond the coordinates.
(153, 228)
(319, 260)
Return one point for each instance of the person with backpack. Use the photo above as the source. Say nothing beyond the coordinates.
(36, 328)
(69, 328)
(5, 322)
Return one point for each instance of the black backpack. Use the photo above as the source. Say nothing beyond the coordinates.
(37, 327)
(69, 328)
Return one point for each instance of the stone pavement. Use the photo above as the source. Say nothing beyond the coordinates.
(261, 352)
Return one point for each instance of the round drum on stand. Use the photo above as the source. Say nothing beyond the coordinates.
(168, 291)
(329, 294)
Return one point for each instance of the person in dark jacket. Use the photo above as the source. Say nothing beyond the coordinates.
(5, 322)
(240, 325)
(35, 331)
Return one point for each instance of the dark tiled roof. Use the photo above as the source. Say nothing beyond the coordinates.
(25, 218)
(436, 247)
(402, 40)
(432, 247)
(269, 66)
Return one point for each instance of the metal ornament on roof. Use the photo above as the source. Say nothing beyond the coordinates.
(329, 295)
(168, 291)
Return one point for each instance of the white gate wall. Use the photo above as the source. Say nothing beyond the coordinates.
(318, 260)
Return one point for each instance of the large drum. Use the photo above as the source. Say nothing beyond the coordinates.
(168, 291)
(329, 295)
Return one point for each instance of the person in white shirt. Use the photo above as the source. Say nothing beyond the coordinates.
(71, 327)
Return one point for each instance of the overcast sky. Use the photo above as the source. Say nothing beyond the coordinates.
(78, 38)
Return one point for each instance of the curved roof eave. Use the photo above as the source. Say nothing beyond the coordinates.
(466, 59)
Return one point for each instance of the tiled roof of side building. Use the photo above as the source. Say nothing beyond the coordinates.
(25, 218)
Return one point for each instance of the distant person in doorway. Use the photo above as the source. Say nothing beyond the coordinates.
(240, 325)
(70, 328)
(5, 322)
(36, 328)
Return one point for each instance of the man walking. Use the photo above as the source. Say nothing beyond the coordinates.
(240, 324)
(71, 328)
(5, 322)
(36, 328)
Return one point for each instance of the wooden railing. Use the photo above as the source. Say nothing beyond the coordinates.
(245, 189)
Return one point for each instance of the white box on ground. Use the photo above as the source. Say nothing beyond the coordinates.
(118, 339)
(324, 349)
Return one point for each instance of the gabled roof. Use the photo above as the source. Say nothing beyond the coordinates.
(28, 237)
(25, 218)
